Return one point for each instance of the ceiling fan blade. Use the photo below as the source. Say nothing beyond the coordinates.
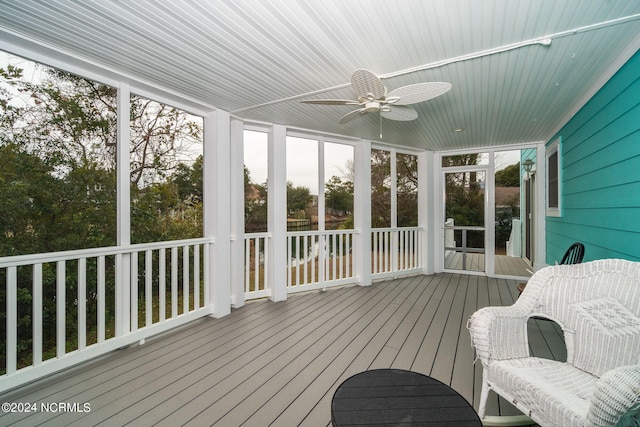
(352, 115)
(401, 113)
(413, 94)
(330, 101)
(367, 85)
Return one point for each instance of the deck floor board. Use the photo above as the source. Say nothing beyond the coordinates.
(280, 363)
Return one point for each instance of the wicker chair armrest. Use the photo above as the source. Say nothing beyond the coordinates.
(499, 333)
(617, 395)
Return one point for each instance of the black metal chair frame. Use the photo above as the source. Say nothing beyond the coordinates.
(573, 255)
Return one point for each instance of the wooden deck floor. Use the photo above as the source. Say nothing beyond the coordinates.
(504, 265)
(280, 363)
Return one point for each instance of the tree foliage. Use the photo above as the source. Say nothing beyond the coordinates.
(255, 204)
(509, 176)
(298, 199)
(338, 195)
(380, 188)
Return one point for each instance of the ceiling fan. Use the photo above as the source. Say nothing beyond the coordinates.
(372, 97)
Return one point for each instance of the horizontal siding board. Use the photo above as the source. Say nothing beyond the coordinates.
(612, 118)
(612, 145)
(612, 187)
(610, 219)
(599, 242)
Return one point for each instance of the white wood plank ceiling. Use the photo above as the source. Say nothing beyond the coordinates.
(258, 59)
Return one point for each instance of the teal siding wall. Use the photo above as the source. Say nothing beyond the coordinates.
(600, 186)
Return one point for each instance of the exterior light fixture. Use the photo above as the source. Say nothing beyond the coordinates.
(528, 167)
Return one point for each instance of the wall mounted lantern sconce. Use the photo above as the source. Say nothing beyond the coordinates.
(528, 167)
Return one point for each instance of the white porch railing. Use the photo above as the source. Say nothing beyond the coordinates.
(256, 262)
(319, 259)
(105, 298)
(395, 250)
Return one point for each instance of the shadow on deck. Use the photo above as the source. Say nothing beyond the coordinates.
(280, 363)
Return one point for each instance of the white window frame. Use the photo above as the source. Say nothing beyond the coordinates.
(554, 148)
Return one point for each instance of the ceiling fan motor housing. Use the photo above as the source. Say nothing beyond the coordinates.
(372, 106)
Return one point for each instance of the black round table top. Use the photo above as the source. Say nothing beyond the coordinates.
(399, 397)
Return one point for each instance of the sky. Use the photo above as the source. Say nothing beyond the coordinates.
(302, 160)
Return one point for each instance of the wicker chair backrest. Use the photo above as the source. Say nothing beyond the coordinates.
(598, 305)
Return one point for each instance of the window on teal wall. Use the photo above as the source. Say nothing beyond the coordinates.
(554, 199)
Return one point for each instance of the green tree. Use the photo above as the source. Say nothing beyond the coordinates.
(339, 195)
(380, 188)
(188, 180)
(255, 204)
(407, 190)
(509, 176)
(298, 198)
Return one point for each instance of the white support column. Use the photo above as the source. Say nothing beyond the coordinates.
(539, 223)
(436, 244)
(323, 273)
(277, 212)
(393, 174)
(426, 209)
(395, 237)
(216, 208)
(123, 183)
(237, 213)
(362, 211)
(321, 181)
(490, 217)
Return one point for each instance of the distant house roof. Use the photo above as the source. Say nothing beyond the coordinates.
(505, 194)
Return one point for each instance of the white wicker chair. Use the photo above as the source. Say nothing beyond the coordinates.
(597, 304)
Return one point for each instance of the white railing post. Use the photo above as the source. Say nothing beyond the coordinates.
(362, 212)
(61, 308)
(37, 314)
(148, 291)
(277, 212)
(134, 291)
(12, 320)
(101, 291)
(82, 303)
(217, 215)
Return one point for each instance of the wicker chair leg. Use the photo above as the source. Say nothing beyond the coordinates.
(483, 398)
(491, 420)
